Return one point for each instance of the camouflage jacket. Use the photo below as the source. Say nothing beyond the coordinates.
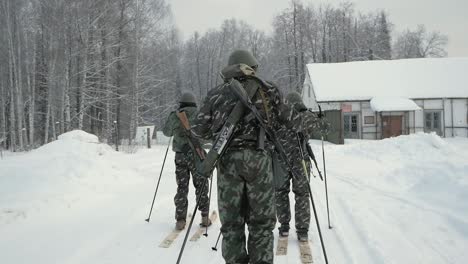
(220, 101)
(174, 128)
(290, 139)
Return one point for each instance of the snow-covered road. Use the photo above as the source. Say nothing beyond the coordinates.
(399, 200)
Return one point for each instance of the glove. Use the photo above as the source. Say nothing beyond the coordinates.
(324, 126)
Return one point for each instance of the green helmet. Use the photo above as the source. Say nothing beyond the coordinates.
(242, 57)
(295, 99)
(188, 97)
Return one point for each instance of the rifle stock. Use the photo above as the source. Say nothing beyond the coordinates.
(194, 143)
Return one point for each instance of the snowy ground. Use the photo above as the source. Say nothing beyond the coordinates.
(401, 201)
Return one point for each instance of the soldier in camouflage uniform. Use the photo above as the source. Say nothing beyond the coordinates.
(294, 144)
(185, 161)
(246, 193)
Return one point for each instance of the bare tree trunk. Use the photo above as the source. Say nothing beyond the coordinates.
(12, 123)
(134, 104)
(82, 87)
(47, 121)
(2, 115)
(106, 85)
(32, 93)
(11, 67)
(296, 56)
(54, 124)
(19, 88)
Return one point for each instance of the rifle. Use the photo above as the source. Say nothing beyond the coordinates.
(241, 94)
(224, 136)
(311, 155)
(299, 143)
(194, 142)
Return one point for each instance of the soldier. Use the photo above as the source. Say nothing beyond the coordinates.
(246, 193)
(294, 144)
(185, 161)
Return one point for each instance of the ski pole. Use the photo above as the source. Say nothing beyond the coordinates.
(215, 248)
(326, 186)
(318, 224)
(209, 201)
(191, 222)
(312, 201)
(159, 180)
(321, 115)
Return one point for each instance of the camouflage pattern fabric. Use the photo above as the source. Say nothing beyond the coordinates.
(220, 101)
(246, 195)
(301, 197)
(173, 128)
(185, 164)
(290, 142)
(245, 179)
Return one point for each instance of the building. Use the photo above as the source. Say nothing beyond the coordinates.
(381, 99)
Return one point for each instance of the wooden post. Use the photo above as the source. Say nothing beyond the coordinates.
(148, 137)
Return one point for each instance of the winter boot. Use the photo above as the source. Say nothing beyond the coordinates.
(284, 230)
(302, 236)
(205, 221)
(180, 224)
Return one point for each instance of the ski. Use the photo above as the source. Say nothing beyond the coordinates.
(282, 246)
(202, 229)
(306, 253)
(167, 242)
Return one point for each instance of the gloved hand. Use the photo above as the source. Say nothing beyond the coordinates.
(285, 112)
(324, 126)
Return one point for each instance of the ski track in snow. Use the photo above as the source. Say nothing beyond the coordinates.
(79, 202)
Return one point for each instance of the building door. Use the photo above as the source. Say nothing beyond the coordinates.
(433, 122)
(392, 126)
(351, 125)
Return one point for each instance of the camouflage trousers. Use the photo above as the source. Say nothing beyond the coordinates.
(246, 197)
(301, 195)
(185, 164)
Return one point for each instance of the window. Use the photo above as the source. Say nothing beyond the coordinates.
(351, 125)
(433, 122)
(369, 120)
(354, 123)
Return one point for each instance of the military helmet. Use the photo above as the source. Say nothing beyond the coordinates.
(242, 57)
(188, 97)
(295, 99)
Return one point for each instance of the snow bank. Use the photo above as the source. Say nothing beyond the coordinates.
(55, 171)
(79, 135)
(422, 166)
(400, 199)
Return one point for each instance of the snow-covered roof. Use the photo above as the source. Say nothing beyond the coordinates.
(409, 78)
(381, 104)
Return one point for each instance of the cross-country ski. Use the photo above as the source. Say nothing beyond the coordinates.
(306, 252)
(169, 239)
(202, 229)
(282, 246)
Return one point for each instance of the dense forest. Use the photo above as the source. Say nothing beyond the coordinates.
(109, 66)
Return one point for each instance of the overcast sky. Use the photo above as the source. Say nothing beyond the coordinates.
(447, 16)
